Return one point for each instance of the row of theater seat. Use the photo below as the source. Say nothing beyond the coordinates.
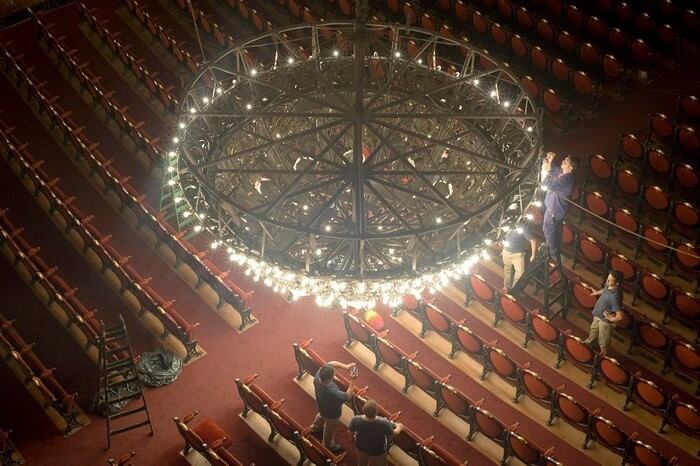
(620, 28)
(91, 83)
(633, 179)
(652, 167)
(671, 300)
(179, 50)
(673, 350)
(495, 360)
(205, 14)
(604, 54)
(37, 378)
(113, 267)
(165, 94)
(208, 439)
(425, 451)
(528, 382)
(60, 298)
(113, 184)
(601, 259)
(683, 138)
(652, 239)
(281, 424)
(646, 17)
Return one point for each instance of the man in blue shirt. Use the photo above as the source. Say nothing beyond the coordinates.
(559, 183)
(372, 434)
(606, 312)
(515, 247)
(330, 399)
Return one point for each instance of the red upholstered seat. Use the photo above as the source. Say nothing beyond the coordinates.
(607, 434)
(539, 59)
(687, 176)
(453, 399)
(613, 373)
(486, 424)
(631, 147)
(612, 66)
(524, 18)
(617, 39)
(628, 182)
(209, 431)
(570, 410)
(467, 341)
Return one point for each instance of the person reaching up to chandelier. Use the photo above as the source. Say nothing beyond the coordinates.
(559, 183)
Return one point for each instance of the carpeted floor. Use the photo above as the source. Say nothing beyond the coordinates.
(207, 384)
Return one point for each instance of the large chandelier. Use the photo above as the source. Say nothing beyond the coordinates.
(355, 162)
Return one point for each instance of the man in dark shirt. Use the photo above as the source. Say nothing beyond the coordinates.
(330, 399)
(559, 183)
(515, 248)
(372, 434)
(606, 311)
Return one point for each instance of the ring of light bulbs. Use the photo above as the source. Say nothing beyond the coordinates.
(209, 86)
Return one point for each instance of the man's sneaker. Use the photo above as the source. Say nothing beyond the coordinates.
(336, 448)
(316, 430)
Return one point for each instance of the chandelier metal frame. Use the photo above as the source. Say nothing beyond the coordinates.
(355, 161)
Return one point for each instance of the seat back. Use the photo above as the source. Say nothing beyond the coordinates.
(608, 434)
(357, 330)
(453, 399)
(572, 411)
(488, 425)
(389, 354)
(438, 320)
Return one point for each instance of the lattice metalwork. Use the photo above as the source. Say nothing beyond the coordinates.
(354, 161)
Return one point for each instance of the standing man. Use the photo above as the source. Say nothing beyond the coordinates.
(330, 399)
(559, 183)
(372, 434)
(515, 248)
(606, 311)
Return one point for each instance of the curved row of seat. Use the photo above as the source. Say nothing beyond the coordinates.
(672, 349)
(38, 379)
(281, 424)
(90, 82)
(473, 412)
(684, 259)
(115, 185)
(208, 439)
(567, 346)
(651, 167)
(648, 18)
(165, 94)
(556, 400)
(112, 266)
(653, 239)
(683, 138)
(425, 451)
(56, 295)
(659, 292)
(191, 60)
(603, 52)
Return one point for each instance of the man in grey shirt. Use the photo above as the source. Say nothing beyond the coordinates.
(606, 312)
(372, 434)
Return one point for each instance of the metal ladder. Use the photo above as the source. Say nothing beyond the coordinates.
(117, 372)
